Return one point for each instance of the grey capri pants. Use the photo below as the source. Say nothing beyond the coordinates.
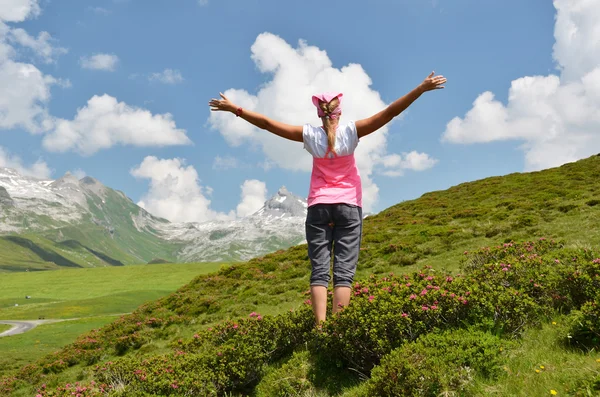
(336, 227)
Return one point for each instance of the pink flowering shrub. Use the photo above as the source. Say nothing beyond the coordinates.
(402, 308)
(230, 357)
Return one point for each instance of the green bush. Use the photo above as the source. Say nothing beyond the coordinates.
(437, 364)
(230, 357)
(585, 325)
(386, 313)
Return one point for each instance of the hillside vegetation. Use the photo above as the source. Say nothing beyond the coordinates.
(487, 288)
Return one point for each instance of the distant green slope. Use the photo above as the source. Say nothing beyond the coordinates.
(436, 229)
(110, 230)
(34, 253)
(106, 236)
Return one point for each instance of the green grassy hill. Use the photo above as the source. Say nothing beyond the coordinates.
(468, 291)
(30, 252)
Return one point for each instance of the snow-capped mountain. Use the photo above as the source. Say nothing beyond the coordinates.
(108, 224)
(278, 224)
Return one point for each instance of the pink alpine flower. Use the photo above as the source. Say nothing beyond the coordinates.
(371, 298)
(412, 296)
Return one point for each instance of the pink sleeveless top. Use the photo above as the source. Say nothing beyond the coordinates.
(334, 179)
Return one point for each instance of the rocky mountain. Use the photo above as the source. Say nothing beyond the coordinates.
(74, 222)
(278, 224)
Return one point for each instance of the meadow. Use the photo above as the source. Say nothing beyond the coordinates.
(88, 298)
(487, 288)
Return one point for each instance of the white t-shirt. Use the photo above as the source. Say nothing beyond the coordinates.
(315, 140)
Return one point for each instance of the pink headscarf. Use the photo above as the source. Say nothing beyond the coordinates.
(328, 97)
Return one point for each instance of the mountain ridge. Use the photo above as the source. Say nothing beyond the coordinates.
(107, 222)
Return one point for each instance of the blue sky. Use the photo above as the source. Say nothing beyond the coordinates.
(148, 69)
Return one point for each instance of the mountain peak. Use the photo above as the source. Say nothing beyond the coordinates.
(5, 199)
(283, 204)
(283, 191)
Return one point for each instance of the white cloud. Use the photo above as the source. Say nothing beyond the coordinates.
(175, 192)
(102, 123)
(167, 76)
(297, 74)
(24, 97)
(18, 10)
(105, 122)
(203, 2)
(79, 173)
(25, 89)
(41, 46)
(396, 164)
(107, 62)
(225, 163)
(39, 169)
(555, 117)
(254, 195)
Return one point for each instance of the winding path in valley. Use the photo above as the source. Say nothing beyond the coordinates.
(22, 326)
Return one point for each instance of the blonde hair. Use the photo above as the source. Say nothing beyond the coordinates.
(328, 124)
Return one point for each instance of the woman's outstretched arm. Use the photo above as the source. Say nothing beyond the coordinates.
(291, 132)
(375, 122)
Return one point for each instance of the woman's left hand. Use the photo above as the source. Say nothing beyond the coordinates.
(221, 104)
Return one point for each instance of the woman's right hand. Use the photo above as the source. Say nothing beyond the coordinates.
(223, 104)
(432, 83)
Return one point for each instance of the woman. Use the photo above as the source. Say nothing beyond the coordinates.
(334, 219)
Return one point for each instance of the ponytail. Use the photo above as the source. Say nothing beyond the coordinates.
(328, 108)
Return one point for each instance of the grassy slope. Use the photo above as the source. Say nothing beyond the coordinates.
(84, 292)
(63, 294)
(19, 350)
(435, 229)
(32, 252)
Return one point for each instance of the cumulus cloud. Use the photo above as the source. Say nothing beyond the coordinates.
(167, 76)
(25, 89)
(42, 46)
(105, 122)
(254, 195)
(24, 97)
(18, 10)
(107, 62)
(175, 192)
(297, 74)
(39, 169)
(555, 117)
(225, 163)
(396, 164)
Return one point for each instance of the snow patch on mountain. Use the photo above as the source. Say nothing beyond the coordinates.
(29, 204)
